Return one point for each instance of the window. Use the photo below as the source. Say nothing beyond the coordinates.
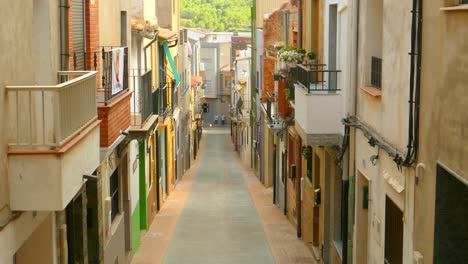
(78, 34)
(463, 2)
(123, 28)
(114, 194)
(376, 72)
(338, 208)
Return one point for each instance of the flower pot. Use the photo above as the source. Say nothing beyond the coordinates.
(282, 65)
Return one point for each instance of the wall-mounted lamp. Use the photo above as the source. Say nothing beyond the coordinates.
(420, 167)
(373, 159)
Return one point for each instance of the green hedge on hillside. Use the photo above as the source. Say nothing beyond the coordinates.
(216, 15)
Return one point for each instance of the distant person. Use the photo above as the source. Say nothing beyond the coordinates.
(223, 119)
(216, 119)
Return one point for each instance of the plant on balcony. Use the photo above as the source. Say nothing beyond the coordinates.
(289, 55)
(307, 152)
(311, 57)
(289, 91)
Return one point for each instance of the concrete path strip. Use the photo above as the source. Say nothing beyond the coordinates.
(219, 223)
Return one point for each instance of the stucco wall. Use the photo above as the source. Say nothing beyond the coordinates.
(40, 246)
(444, 119)
(385, 31)
(114, 251)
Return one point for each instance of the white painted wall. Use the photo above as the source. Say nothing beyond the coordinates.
(318, 113)
(49, 182)
(134, 174)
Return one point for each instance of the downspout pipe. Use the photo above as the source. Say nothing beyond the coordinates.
(63, 5)
(155, 38)
(286, 26)
(415, 83)
(349, 201)
(299, 17)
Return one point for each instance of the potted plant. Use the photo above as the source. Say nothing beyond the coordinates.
(290, 56)
(311, 57)
(307, 152)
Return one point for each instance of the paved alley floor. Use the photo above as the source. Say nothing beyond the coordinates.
(220, 213)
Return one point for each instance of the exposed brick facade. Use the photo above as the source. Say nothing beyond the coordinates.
(272, 36)
(283, 105)
(115, 117)
(92, 33)
(92, 37)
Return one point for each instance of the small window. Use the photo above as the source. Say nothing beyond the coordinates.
(114, 194)
(376, 72)
(463, 2)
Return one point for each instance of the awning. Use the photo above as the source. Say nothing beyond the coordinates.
(171, 62)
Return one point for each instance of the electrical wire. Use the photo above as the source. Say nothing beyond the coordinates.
(374, 140)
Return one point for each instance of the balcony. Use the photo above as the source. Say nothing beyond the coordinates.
(284, 107)
(53, 140)
(113, 98)
(142, 118)
(318, 104)
(162, 98)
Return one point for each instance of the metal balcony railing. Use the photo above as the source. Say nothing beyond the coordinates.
(268, 109)
(142, 105)
(162, 98)
(109, 70)
(46, 117)
(316, 78)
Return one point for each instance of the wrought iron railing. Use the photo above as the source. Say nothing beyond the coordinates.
(268, 109)
(161, 98)
(142, 102)
(291, 80)
(47, 116)
(110, 70)
(316, 78)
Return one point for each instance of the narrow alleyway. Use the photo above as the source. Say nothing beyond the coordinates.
(220, 213)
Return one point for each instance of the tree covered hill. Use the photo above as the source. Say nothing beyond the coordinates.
(216, 15)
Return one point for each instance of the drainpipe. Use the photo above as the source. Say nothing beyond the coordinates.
(299, 36)
(286, 26)
(350, 158)
(63, 4)
(155, 38)
(274, 174)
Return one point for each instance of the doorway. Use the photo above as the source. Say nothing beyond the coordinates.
(151, 180)
(76, 230)
(393, 233)
(451, 212)
(92, 221)
(126, 199)
(362, 218)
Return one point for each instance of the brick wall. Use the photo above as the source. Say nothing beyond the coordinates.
(115, 117)
(283, 104)
(70, 36)
(272, 36)
(92, 37)
(92, 33)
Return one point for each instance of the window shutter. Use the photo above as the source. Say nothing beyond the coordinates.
(79, 33)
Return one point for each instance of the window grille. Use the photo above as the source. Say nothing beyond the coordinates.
(376, 72)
